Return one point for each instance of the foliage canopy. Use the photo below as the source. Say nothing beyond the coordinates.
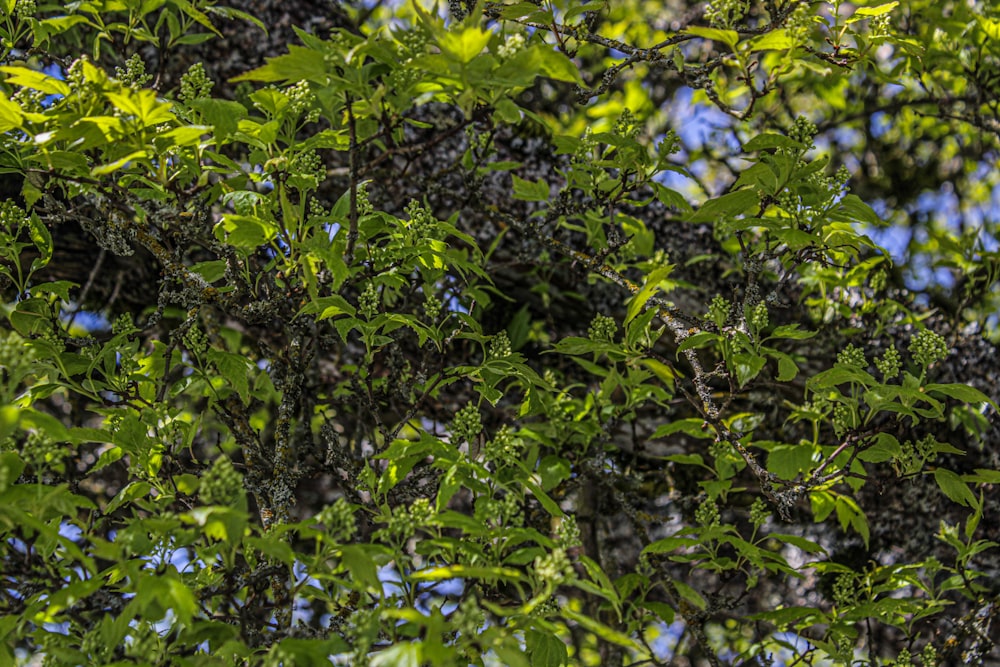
(523, 333)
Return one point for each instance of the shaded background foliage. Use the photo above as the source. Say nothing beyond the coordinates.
(907, 102)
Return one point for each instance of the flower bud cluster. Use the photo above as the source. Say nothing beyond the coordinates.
(316, 209)
(568, 532)
(759, 513)
(432, 304)
(726, 13)
(584, 153)
(364, 204)
(843, 418)
(928, 347)
(134, 73)
(467, 424)
(14, 354)
(719, 310)
(757, 317)
(309, 164)
(602, 329)
(852, 356)
(12, 219)
(479, 142)
(42, 452)
(504, 513)
(879, 25)
(627, 126)
(301, 100)
(504, 450)
(554, 567)
(362, 631)
(195, 341)
(123, 324)
(412, 43)
(469, 618)
(800, 22)
(877, 280)
(368, 301)
(405, 521)
(889, 364)
(23, 9)
(339, 520)
(195, 84)
(221, 484)
(512, 44)
(421, 222)
(803, 131)
(500, 346)
(845, 590)
(671, 143)
(707, 514)
(915, 454)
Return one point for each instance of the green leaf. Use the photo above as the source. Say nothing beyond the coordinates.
(799, 542)
(465, 45)
(790, 616)
(787, 368)
(105, 169)
(869, 12)
(11, 467)
(777, 40)
(550, 505)
(767, 141)
(35, 80)
(553, 470)
(530, 191)
(727, 206)
(10, 114)
(790, 461)
(402, 654)
(639, 300)
(692, 426)
(298, 64)
(791, 332)
(727, 37)
(960, 392)
(32, 316)
(274, 547)
(603, 631)
(223, 115)
(690, 594)
(990, 26)
(855, 209)
(556, 65)
(698, 340)
(360, 563)
(235, 368)
(952, 485)
(747, 367)
(131, 491)
(840, 375)
(327, 307)
(670, 544)
(545, 649)
(885, 448)
(246, 232)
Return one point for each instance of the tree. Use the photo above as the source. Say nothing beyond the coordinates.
(548, 333)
